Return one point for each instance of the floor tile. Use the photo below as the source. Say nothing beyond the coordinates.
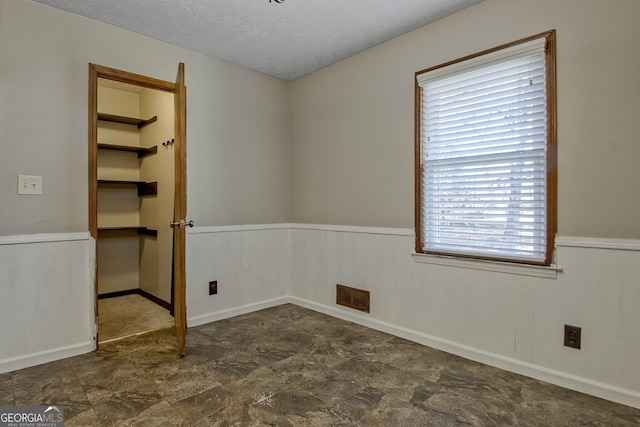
(289, 366)
(203, 404)
(6, 390)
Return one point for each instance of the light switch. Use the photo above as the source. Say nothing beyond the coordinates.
(29, 184)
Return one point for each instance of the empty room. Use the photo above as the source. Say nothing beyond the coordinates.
(362, 213)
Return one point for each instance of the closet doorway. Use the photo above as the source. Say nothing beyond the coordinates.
(137, 202)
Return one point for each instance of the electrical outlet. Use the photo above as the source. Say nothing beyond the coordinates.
(213, 287)
(572, 336)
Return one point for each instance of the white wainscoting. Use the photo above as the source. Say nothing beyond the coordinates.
(250, 263)
(505, 319)
(502, 318)
(46, 308)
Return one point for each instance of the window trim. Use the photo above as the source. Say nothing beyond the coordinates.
(551, 156)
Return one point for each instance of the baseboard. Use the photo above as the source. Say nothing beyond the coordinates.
(137, 291)
(562, 379)
(38, 358)
(117, 294)
(235, 311)
(162, 303)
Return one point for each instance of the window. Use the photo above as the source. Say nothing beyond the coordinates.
(486, 156)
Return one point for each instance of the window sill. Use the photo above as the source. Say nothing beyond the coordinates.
(550, 272)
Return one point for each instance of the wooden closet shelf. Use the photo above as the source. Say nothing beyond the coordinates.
(140, 230)
(144, 188)
(139, 123)
(127, 148)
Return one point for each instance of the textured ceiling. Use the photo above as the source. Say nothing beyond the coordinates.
(286, 40)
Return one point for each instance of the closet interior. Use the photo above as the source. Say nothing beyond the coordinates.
(135, 203)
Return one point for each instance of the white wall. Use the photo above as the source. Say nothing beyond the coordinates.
(237, 128)
(352, 124)
(250, 264)
(46, 309)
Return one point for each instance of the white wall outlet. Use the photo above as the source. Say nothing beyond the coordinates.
(29, 184)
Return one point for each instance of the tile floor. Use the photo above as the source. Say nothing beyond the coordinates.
(289, 366)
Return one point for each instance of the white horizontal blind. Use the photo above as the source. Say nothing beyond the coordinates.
(484, 139)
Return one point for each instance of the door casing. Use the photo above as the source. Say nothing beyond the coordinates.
(179, 90)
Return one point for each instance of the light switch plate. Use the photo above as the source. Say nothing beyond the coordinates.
(29, 184)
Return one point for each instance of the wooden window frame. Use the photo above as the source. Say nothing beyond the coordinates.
(551, 156)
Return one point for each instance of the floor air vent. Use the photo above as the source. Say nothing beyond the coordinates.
(353, 298)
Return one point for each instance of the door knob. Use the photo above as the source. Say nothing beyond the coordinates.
(182, 223)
